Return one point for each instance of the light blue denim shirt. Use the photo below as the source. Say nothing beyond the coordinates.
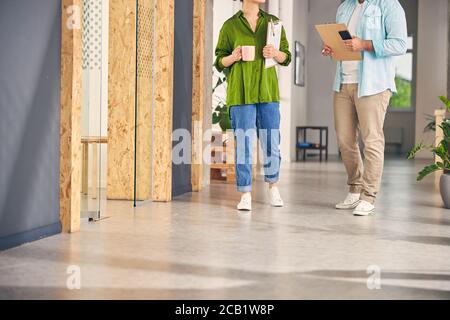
(383, 22)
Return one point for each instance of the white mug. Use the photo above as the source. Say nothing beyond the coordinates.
(248, 53)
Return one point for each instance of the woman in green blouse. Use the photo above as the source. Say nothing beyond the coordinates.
(253, 95)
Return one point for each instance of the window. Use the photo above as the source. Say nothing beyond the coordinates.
(404, 80)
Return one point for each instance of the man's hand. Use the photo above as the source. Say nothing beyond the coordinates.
(358, 45)
(327, 51)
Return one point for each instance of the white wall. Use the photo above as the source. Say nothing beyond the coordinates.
(285, 76)
(298, 94)
(432, 61)
(321, 71)
(294, 14)
(223, 10)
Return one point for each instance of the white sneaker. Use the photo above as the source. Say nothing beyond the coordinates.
(246, 203)
(275, 197)
(351, 202)
(364, 209)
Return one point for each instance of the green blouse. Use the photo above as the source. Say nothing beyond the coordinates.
(249, 82)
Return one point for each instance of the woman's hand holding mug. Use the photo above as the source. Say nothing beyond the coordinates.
(234, 57)
(237, 54)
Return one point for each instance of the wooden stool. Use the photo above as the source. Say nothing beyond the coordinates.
(94, 141)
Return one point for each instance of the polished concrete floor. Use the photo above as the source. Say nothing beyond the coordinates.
(200, 247)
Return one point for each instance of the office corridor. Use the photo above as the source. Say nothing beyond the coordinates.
(200, 247)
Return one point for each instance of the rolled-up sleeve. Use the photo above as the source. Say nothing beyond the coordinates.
(284, 47)
(223, 49)
(395, 42)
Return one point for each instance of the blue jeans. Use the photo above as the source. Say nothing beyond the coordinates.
(260, 120)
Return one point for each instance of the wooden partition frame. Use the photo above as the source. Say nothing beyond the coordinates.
(71, 99)
(163, 101)
(70, 129)
(154, 118)
(130, 91)
(198, 99)
(121, 99)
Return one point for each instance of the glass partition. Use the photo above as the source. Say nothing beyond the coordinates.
(143, 100)
(94, 107)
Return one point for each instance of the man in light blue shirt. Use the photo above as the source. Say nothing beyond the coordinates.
(362, 93)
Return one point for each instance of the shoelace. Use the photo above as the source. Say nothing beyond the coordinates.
(276, 195)
(350, 200)
(364, 206)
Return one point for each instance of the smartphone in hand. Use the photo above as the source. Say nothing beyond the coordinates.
(345, 35)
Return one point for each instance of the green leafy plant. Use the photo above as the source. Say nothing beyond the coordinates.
(445, 101)
(221, 116)
(442, 150)
(431, 125)
(220, 113)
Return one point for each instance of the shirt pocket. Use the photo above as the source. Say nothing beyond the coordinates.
(341, 17)
(373, 18)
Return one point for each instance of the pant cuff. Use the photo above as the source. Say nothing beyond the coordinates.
(355, 189)
(271, 180)
(244, 188)
(367, 198)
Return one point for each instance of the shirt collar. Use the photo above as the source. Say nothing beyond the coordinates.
(260, 14)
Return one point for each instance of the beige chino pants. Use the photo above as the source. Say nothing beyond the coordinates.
(361, 116)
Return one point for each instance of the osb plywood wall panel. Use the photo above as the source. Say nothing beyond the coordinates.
(198, 93)
(122, 94)
(121, 99)
(145, 96)
(163, 101)
(71, 66)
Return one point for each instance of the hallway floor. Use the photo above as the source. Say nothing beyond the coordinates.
(200, 247)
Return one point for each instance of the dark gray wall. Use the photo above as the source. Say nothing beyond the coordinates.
(182, 109)
(30, 36)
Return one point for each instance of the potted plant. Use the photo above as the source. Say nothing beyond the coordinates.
(431, 125)
(221, 141)
(442, 151)
(222, 117)
(221, 114)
